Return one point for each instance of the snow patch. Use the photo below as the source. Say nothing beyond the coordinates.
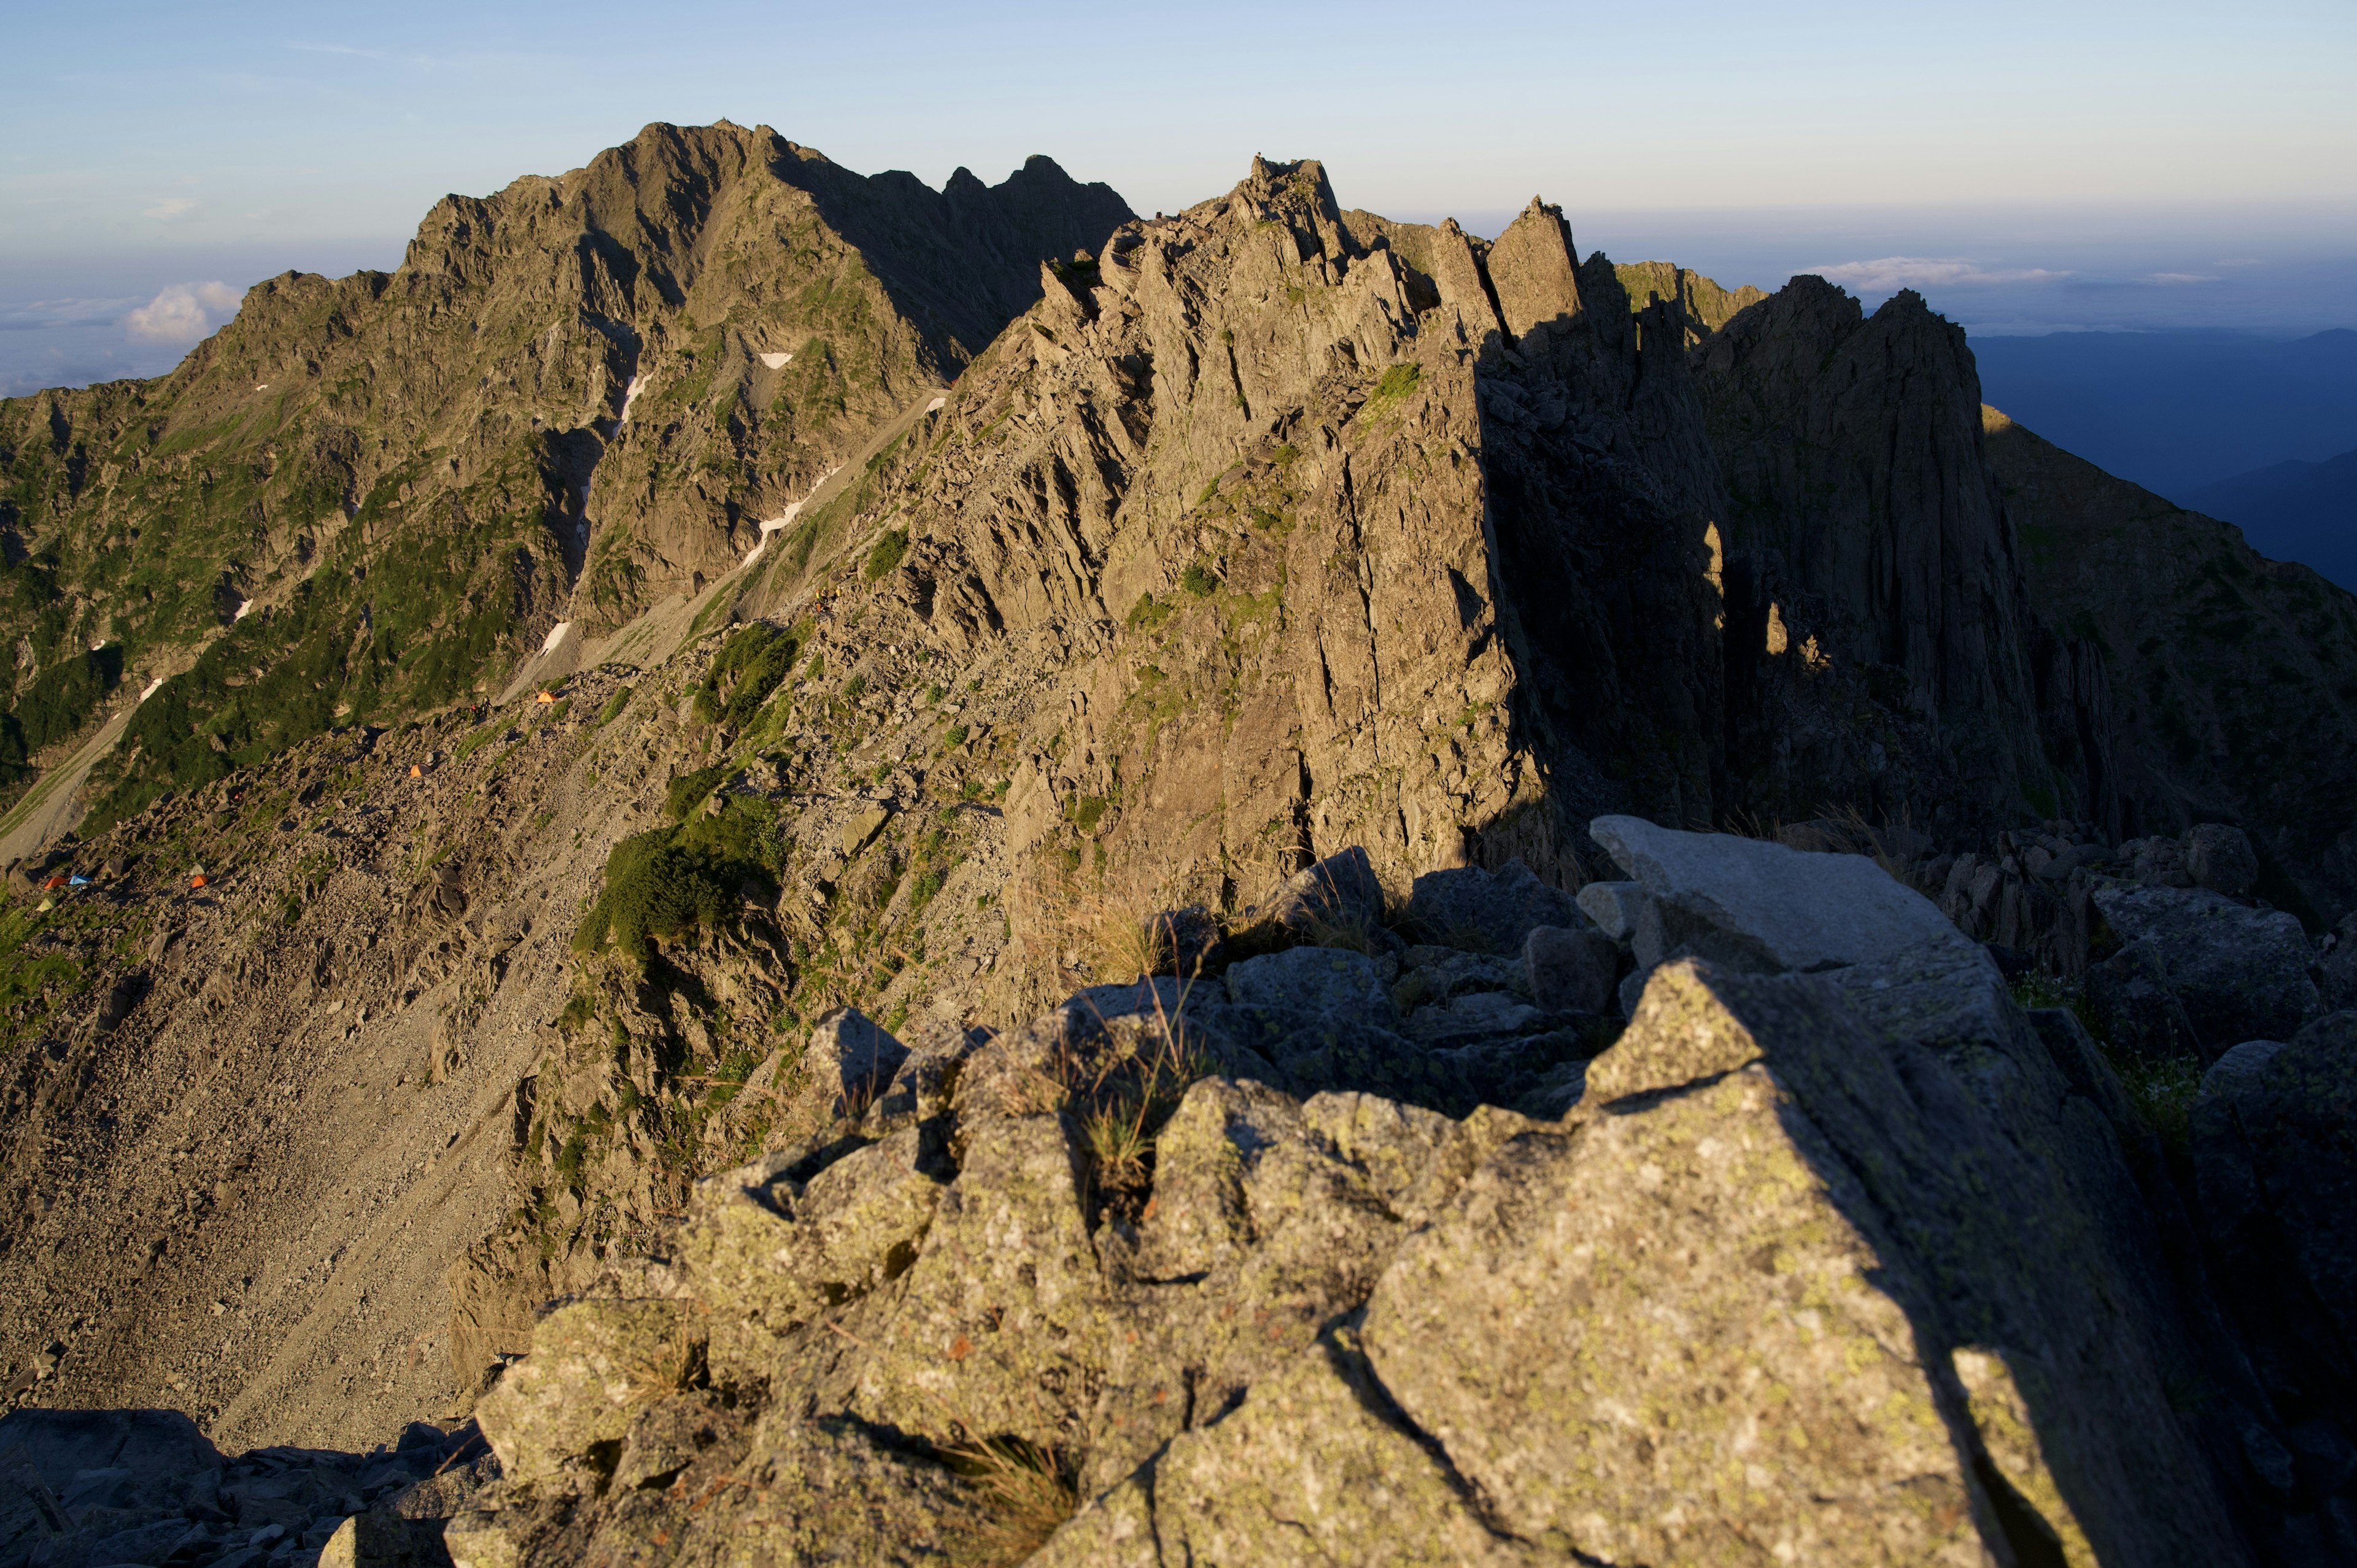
(786, 518)
(629, 396)
(152, 686)
(243, 610)
(776, 361)
(936, 403)
(556, 635)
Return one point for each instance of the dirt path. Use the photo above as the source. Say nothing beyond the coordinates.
(53, 806)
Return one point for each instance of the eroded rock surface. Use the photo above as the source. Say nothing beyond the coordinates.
(1824, 1262)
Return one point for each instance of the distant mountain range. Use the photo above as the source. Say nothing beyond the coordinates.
(2180, 410)
(2294, 511)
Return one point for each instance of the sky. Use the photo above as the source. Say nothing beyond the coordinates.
(2029, 167)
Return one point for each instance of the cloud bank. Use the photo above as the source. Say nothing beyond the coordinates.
(1890, 272)
(183, 312)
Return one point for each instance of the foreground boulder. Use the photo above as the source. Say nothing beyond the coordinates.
(2240, 973)
(2275, 1165)
(1835, 1257)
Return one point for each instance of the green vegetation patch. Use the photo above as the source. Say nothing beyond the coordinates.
(1390, 392)
(666, 883)
(688, 791)
(886, 556)
(750, 666)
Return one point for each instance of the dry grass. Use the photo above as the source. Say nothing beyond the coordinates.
(669, 1367)
(1123, 944)
(1122, 1096)
(1027, 1493)
(1355, 932)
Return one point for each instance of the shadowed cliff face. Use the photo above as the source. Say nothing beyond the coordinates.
(2232, 679)
(1866, 532)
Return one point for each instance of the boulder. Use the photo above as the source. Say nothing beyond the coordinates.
(161, 1459)
(1430, 975)
(920, 1089)
(1480, 911)
(1763, 906)
(2337, 977)
(592, 1364)
(2219, 856)
(2274, 1162)
(864, 823)
(2239, 1069)
(1337, 895)
(2129, 997)
(846, 1066)
(29, 1511)
(2242, 973)
(1475, 1016)
(1754, 1224)
(1331, 982)
(796, 1490)
(1309, 1051)
(1309, 1468)
(1570, 968)
(1613, 905)
(380, 1540)
(2158, 862)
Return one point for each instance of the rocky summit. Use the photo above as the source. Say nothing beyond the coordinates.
(763, 865)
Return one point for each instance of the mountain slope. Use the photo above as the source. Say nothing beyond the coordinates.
(367, 497)
(1267, 532)
(2232, 679)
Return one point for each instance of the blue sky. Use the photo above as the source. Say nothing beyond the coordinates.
(2029, 166)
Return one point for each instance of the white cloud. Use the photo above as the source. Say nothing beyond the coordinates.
(172, 207)
(183, 312)
(1889, 273)
(2180, 277)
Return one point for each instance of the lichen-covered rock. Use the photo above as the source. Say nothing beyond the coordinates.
(793, 1491)
(1311, 1467)
(1691, 1256)
(1201, 1216)
(1000, 1327)
(767, 1254)
(592, 1364)
(1751, 1223)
